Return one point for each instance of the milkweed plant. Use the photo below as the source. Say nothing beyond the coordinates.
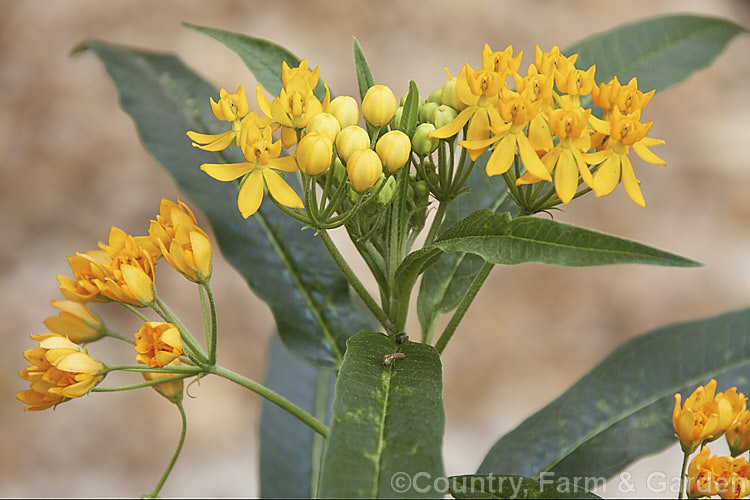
(433, 188)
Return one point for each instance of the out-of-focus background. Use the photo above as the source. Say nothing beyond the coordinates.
(72, 166)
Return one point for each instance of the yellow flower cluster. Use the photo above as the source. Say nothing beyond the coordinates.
(705, 417)
(122, 270)
(543, 122)
(323, 132)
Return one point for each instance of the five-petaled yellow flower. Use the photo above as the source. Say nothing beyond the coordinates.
(258, 173)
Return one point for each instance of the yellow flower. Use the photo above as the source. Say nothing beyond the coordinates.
(518, 110)
(575, 82)
(570, 126)
(501, 61)
(714, 475)
(314, 153)
(157, 344)
(170, 390)
(394, 149)
(232, 108)
(379, 105)
(364, 169)
(553, 61)
(705, 415)
(478, 90)
(76, 322)
(59, 371)
(88, 273)
(738, 436)
(259, 171)
(171, 216)
(350, 139)
(626, 131)
(627, 99)
(345, 109)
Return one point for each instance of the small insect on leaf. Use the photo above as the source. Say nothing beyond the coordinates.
(388, 359)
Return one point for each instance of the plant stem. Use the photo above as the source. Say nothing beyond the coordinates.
(274, 398)
(214, 335)
(183, 431)
(681, 492)
(190, 370)
(353, 279)
(149, 383)
(463, 306)
(195, 348)
(135, 311)
(110, 333)
(435, 226)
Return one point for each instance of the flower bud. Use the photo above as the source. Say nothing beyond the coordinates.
(324, 124)
(396, 121)
(426, 111)
(386, 193)
(435, 96)
(379, 105)
(338, 170)
(364, 169)
(421, 190)
(421, 142)
(449, 97)
(170, 390)
(394, 149)
(76, 322)
(351, 139)
(314, 153)
(345, 109)
(443, 115)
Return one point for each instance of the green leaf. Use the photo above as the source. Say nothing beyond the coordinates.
(262, 57)
(410, 114)
(622, 410)
(446, 281)
(499, 239)
(286, 267)
(660, 52)
(488, 486)
(386, 419)
(364, 75)
(290, 452)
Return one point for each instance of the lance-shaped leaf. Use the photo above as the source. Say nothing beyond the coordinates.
(500, 239)
(262, 57)
(660, 52)
(489, 486)
(364, 74)
(290, 452)
(622, 410)
(410, 114)
(387, 419)
(286, 267)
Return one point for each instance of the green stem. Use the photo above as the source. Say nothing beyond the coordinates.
(110, 333)
(142, 384)
(681, 492)
(135, 311)
(190, 370)
(274, 398)
(353, 279)
(183, 431)
(436, 222)
(214, 335)
(463, 306)
(195, 348)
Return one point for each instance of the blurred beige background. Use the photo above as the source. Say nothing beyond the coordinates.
(72, 166)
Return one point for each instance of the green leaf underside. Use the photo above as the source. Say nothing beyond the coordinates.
(488, 486)
(287, 268)
(499, 239)
(410, 113)
(364, 74)
(622, 410)
(375, 408)
(660, 52)
(262, 57)
(290, 452)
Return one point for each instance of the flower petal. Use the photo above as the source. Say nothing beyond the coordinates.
(285, 163)
(566, 177)
(502, 157)
(631, 183)
(453, 127)
(251, 194)
(227, 171)
(530, 159)
(641, 149)
(280, 190)
(607, 176)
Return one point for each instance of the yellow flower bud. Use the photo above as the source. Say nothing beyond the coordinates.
(351, 139)
(170, 390)
(738, 436)
(422, 143)
(345, 109)
(76, 322)
(379, 105)
(364, 169)
(324, 124)
(314, 153)
(394, 149)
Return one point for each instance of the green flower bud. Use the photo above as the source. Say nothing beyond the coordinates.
(426, 110)
(435, 96)
(351, 139)
(394, 149)
(379, 105)
(421, 190)
(364, 169)
(386, 193)
(345, 109)
(421, 143)
(314, 153)
(324, 124)
(396, 122)
(449, 97)
(443, 115)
